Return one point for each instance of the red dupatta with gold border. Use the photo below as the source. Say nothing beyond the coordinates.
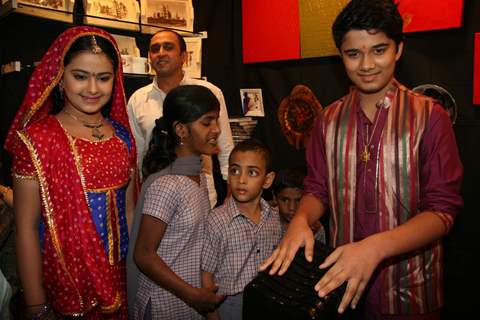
(71, 245)
(409, 283)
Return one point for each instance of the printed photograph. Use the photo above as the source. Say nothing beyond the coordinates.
(170, 14)
(252, 102)
(63, 5)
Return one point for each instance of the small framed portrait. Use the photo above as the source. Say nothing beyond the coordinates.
(252, 102)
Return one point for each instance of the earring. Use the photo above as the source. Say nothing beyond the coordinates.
(181, 142)
(60, 89)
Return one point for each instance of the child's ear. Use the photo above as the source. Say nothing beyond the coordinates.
(268, 180)
(181, 130)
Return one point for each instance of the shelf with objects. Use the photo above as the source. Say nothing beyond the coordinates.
(126, 16)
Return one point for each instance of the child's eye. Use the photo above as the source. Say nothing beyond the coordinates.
(353, 54)
(233, 171)
(253, 173)
(379, 51)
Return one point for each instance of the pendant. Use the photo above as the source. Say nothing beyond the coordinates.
(96, 133)
(365, 154)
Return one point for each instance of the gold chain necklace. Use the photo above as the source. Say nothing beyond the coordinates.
(95, 126)
(365, 157)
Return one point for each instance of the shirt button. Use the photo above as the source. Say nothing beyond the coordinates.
(369, 170)
(258, 250)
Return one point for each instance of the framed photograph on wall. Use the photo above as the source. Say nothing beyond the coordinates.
(60, 10)
(173, 14)
(252, 102)
(193, 62)
(121, 14)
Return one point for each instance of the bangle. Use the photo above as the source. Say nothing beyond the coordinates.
(44, 312)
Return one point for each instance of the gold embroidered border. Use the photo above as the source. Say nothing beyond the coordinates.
(47, 203)
(110, 231)
(107, 189)
(24, 177)
(113, 307)
(115, 208)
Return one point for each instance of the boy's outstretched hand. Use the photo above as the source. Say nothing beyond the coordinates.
(354, 263)
(298, 235)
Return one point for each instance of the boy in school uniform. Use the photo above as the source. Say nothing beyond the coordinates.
(242, 232)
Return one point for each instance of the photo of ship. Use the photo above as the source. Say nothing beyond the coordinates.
(177, 14)
(166, 16)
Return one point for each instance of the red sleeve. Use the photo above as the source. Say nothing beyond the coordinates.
(22, 162)
(441, 169)
(316, 181)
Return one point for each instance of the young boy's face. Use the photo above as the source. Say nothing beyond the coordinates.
(288, 200)
(370, 59)
(247, 175)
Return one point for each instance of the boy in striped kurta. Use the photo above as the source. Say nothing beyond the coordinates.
(384, 161)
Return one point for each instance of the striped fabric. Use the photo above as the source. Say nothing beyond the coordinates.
(410, 283)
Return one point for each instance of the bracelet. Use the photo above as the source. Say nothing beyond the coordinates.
(44, 313)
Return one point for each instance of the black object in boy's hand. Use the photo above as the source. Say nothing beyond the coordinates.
(292, 295)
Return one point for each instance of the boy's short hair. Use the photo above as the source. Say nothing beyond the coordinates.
(255, 146)
(289, 178)
(380, 15)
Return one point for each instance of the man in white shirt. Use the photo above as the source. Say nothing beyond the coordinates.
(167, 54)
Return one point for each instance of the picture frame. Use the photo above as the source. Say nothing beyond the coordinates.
(120, 14)
(59, 10)
(193, 61)
(252, 102)
(166, 14)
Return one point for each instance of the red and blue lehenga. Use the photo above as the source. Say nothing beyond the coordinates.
(83, 228)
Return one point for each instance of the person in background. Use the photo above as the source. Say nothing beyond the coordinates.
(74, 180)
(242, 232)
(384, 161)
(287, 191)
(172, 211)
(167, 54)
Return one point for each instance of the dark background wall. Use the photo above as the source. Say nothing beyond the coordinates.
(443, 57)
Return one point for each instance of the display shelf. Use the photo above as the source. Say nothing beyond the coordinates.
(13, 6)
(32, 10)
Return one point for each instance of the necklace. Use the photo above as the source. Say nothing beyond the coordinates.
(365, 156)
(95, 126)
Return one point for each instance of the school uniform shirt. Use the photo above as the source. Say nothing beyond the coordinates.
(235, 246)
(183, 205)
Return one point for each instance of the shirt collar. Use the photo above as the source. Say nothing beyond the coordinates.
(157, 89)
(233, 211)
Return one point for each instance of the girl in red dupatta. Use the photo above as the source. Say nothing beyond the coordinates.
(74, 167)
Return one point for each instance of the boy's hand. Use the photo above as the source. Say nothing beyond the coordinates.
(353, 262)
(298, 234)
(205, 300)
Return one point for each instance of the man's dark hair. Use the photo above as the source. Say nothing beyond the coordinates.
(255, 145)
(376, 15)
(181, 41)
